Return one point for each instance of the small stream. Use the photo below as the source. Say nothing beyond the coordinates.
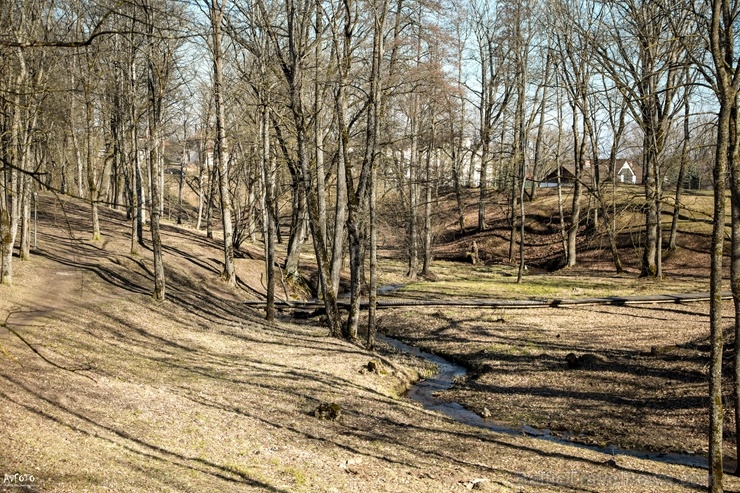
(424, 393)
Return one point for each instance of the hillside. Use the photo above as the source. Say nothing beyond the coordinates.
(103, 389)
(543, 244)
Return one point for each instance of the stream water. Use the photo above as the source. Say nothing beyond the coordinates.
(424, 392)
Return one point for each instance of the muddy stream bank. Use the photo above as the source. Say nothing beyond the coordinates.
(424, 392)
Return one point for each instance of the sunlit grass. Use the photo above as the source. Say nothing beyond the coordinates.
(459, 280)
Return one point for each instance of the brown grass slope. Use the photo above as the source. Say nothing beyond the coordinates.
(197, 394)
(543, 244)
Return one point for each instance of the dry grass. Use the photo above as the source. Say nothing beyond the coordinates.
(543, 243)
(643, 386)
(628, 396)
(198, 394)
(498, 281)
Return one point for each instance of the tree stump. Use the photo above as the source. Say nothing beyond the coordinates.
(473, 253)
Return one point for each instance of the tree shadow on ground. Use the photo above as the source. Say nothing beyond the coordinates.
(519, 370)
(419, 440)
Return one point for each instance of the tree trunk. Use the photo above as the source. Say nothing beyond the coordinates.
(299, 221)
(574, 223)
(297, 231)
(221, 149)
(26, 193)
(426, 266)
(76, 147)
(9, 219)
(558, 169)
(360, 188)
(181, 177)
(138, 205)
(252, 206)
(136, 238)
(141, 202)
(10, 212)
(201, 187)
(540, 127)
(659, 223)
(650, 247)
(413, 233)
(159, 280)
(483, 195)
(458, 187)
(268, 174)
(561, 214)
(155, 89)
(611, 237)
(10, 203)
(209, 200)
(134, 194)
(340, 218)
(521, 130)
(292, 69)
(373, 288)
(356, 196)
(735, 286)
(681, 176)
(371, 142)
(513, 204)
(577, 192)
(318, 135)
(522, 218)
(715, 310)
(92, 179)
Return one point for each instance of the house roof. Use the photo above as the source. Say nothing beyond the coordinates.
(566, 176)
(622, 167)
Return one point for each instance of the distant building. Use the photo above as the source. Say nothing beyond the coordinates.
(188, 156)
(551, 180)
(624, 171)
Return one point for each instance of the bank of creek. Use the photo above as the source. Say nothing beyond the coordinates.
(639, 388)
(424, 391)
(648, 398)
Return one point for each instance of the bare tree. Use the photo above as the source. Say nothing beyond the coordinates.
(458, 124)
(716, 21)
(637, 49)
(268, 171)
(492, 96)
(156, 87)
(91, 161)
(221, 148)
(684, 157)
(342, 39)
(18, 121)
(291, 51)
(575, 73)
